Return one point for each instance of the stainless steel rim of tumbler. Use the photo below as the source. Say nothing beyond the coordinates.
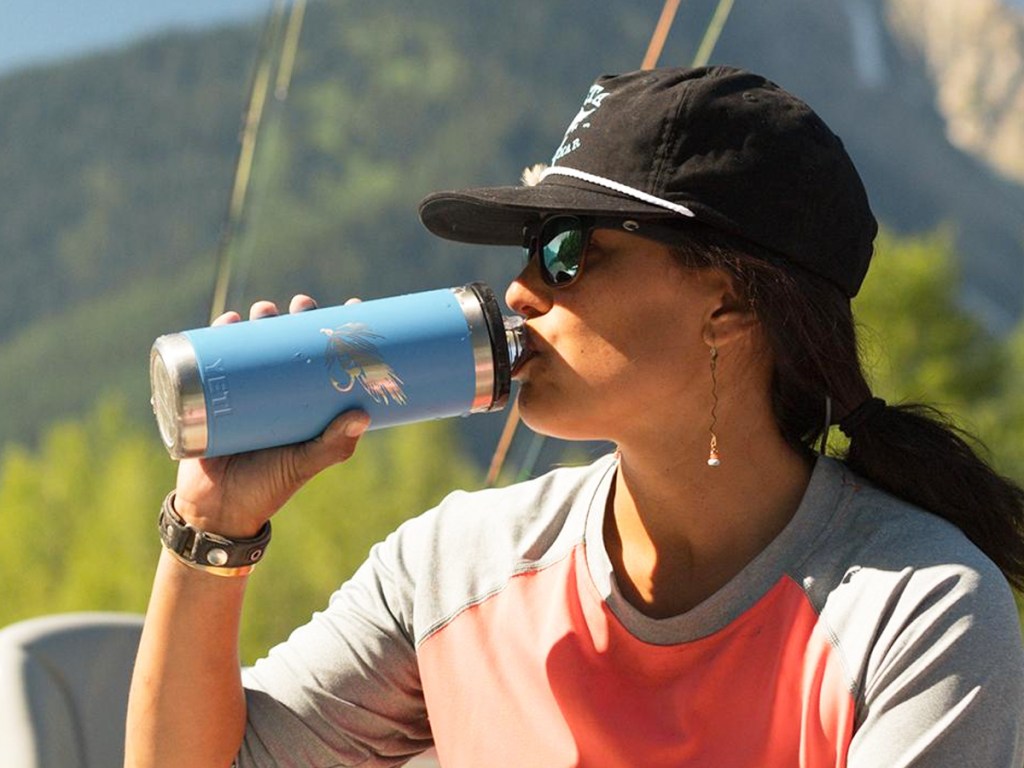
(178, 399)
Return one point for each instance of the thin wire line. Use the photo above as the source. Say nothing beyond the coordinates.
(289, 50)
(501, 450)
(712, 33)
(243, 166)
(532, 456)
(660, 35)
(828, 423)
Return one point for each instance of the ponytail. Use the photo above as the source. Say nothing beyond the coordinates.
(910, 451)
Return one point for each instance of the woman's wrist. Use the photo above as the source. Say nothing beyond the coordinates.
(233, 526)
(206, 551)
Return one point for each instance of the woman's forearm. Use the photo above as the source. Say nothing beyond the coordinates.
(186, 705)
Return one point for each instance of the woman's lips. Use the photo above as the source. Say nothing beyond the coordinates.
(529, 350)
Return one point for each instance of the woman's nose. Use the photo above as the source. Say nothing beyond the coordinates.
(527, 294)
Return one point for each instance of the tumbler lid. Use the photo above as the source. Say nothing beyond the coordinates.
(489, 342)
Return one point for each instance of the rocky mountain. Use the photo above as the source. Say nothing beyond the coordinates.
(973, 52)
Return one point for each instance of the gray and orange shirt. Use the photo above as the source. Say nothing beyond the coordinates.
(868, 634)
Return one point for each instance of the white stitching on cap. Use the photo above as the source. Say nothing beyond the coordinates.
(616, 186)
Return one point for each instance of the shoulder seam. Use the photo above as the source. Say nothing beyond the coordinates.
(521, 569)
(852, 685)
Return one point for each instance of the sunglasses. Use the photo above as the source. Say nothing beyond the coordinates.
(560, 242)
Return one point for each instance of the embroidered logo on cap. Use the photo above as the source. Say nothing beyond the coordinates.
(591, 104)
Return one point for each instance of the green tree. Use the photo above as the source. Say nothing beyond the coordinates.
(78, 516)
(1001, 417)
(79, 520)
(917, 342)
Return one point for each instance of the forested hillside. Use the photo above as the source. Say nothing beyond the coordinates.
(115, 170)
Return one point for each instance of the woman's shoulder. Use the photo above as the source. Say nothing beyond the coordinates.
(885, 571)
(531, 520)
(870, 527)
(473, 543)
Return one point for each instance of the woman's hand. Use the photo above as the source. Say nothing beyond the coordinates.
(234, 495)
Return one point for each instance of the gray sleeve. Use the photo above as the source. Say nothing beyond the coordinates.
(344, 689)
(944, 680)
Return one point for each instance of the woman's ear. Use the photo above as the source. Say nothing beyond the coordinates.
(730, 316)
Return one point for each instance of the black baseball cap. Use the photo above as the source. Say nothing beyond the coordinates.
(717, 145)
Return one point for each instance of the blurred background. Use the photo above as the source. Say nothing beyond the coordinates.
(123, 128)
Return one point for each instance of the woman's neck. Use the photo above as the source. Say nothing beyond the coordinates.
(677, 530)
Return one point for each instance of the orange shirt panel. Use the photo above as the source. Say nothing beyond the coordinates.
(543, 674)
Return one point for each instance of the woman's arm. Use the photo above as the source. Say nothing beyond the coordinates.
(186, 705)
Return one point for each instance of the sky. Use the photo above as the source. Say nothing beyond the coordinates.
(40, 31)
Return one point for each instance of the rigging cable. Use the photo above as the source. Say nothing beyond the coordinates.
(252, 121)
(660, 35)
(712, 33)
(650, 61)
(289, 50)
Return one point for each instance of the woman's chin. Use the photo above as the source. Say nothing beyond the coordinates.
(556, 420)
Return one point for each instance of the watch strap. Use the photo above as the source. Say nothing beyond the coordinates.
(209, 552)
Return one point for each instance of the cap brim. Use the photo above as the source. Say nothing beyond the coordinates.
(497, 215)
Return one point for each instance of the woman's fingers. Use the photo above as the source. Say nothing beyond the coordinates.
(301, 303)
(227, 318)
(262, 309)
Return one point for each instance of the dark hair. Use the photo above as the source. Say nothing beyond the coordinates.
(809, 326)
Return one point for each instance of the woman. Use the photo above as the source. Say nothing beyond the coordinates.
(716, 592)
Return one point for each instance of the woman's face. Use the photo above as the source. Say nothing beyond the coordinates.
(622, 349)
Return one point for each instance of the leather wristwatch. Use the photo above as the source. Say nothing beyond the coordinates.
(209, 552)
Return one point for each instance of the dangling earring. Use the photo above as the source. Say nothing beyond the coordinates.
(713, 458)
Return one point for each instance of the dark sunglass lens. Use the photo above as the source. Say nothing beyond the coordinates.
(561, 249)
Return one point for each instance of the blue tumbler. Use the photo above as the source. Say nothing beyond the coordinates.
(280, 380)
